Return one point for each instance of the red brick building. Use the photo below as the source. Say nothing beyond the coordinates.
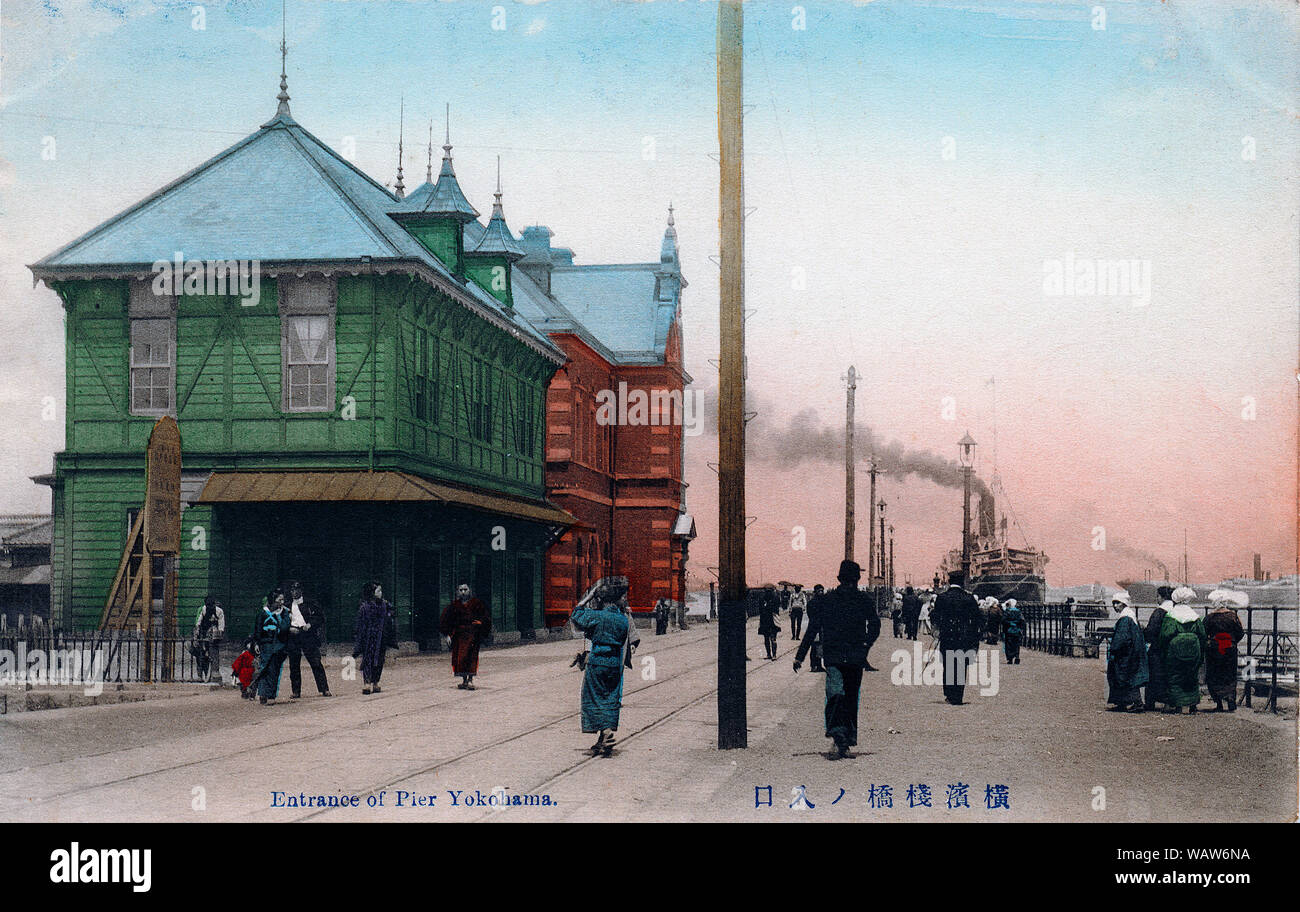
(616, 417)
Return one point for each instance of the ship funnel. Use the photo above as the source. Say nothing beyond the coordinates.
(987, 515)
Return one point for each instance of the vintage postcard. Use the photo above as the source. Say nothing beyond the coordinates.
(585, 411)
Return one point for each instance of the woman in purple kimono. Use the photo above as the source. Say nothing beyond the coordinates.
(374, 634)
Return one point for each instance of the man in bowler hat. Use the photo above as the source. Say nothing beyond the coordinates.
(847, 622)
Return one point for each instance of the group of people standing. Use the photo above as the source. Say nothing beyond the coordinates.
(1004, 623)
(1161, 662)
(906, 613)
(845, 622)
(291, 627)
(666, 612)
(288, 626)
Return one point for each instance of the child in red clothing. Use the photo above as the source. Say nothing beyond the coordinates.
(243, 667)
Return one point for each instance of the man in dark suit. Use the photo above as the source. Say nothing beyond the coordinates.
(819, 592)
(844, 619)
(911, 612)
(306, 634)
(958, 620)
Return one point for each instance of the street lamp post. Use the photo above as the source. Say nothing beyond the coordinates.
(880, 558)
(890, 582)
(966, 451)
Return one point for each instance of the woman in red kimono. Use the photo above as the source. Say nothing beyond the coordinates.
(467, 621)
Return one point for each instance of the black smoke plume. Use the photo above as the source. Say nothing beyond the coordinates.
(806, 437)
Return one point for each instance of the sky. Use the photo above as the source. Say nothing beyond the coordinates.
(916, 174)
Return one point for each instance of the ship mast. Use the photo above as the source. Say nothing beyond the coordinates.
(849, 468)
(997, 481)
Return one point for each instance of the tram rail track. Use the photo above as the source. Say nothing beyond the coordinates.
(393, 783)
(447, 699)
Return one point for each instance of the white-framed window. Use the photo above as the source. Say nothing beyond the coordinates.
(152, 358)
(307, 308)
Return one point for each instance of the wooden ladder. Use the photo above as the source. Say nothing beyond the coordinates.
(129, 599)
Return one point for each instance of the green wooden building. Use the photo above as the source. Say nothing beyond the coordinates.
(356, 395)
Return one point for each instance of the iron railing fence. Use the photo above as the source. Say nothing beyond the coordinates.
(1269, 653)
(59, 657)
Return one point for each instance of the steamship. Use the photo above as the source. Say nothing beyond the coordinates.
(996, 568)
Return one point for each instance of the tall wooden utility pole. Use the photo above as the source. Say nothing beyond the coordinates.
(731, 379)
(849, 522)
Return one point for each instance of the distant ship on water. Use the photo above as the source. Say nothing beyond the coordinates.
(1283, 592)
(996, 568)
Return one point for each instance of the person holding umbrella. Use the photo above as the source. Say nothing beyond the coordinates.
(602, 617)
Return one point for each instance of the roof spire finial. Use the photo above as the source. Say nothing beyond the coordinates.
(401, 126)
(446, 146)
(428, 170)
(283, 97)
(497, 211)
(668, 249)
(497, 239)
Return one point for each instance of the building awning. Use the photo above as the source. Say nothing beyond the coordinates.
(373, 487)
(684, 527)
(38, 575)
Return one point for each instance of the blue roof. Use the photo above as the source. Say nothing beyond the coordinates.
(549, 315)
(416, 199)
(443, 198)
(623, 311)
(278, 195)
(496, 238)
(620, 304)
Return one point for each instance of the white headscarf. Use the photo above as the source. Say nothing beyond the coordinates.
(1181, 612)
(1229, 598)
(1123, 598)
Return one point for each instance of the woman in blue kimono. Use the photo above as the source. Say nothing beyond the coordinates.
(272, 635)
(601, 618)
(1126, 663)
